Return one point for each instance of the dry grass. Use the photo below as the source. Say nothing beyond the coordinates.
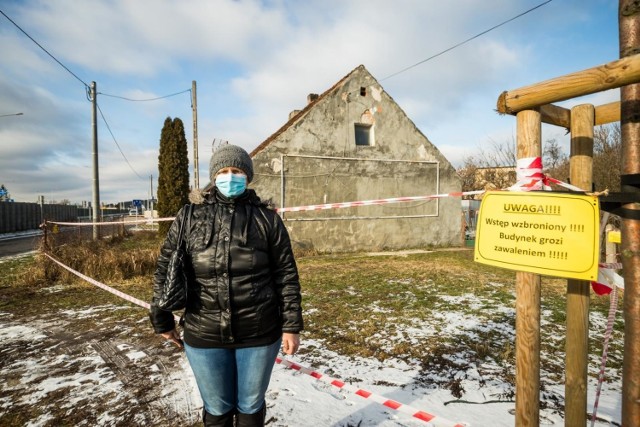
(121, 257)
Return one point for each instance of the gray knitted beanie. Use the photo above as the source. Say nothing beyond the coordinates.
(231, 156)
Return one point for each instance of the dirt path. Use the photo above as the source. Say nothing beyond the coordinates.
(54, 372)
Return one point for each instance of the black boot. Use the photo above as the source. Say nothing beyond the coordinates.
(225, 420)
(252, 420)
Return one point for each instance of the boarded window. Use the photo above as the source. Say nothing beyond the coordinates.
(364, 134)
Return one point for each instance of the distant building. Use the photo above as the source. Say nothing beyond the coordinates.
(494, 178)
(4, 194)
(354, 143)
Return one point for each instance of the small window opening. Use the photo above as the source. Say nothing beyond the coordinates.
(364, 134)
(363, 91)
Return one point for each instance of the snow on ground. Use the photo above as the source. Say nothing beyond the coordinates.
(128, 375)
(107, 371)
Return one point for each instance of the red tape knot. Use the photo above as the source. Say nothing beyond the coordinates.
(529, 175)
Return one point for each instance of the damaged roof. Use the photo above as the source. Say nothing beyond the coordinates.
(303, 112)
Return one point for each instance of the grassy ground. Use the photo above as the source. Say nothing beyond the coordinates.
(437, 310)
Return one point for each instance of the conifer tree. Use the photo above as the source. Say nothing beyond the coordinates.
(173, 167)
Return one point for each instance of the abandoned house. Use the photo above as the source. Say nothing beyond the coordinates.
(354, 143)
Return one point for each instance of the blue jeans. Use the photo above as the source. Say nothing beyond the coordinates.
(233, 378)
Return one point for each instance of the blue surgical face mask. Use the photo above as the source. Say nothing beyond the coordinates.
(231, 184)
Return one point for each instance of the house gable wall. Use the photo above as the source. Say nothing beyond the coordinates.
(318, 158)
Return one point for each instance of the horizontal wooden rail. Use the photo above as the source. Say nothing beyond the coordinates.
(554, 115)
(607, 113)
(612, 75)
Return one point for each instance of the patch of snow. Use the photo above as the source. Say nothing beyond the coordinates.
(294, 398)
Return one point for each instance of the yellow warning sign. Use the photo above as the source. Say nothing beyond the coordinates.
(554, 234)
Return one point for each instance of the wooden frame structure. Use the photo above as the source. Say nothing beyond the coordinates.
(532, 105)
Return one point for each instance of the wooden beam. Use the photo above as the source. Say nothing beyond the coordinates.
(612, 75)
(554, 115)
(607, 113)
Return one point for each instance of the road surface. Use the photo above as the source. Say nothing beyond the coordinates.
(18, 244)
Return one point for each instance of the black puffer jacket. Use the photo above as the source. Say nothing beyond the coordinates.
(244, 289)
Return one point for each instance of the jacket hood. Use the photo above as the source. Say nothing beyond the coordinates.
(199, 196)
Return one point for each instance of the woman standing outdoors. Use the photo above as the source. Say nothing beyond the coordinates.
(244, 293)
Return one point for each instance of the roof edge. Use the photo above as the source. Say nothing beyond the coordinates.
(303, 112)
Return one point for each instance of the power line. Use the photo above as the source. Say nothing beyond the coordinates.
(144, 100)
(467, 40)
(117, 145)
(45, 50)
(78, 78)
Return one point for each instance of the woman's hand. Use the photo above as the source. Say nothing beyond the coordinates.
(174, 337)
(290, 343)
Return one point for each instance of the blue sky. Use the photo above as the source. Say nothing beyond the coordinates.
(254, 62)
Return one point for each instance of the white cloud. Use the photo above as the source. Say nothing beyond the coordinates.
(255, 61)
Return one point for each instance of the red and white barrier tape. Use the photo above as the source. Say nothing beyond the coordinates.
(103, 286)
(311, 207)
(613, 304)
(529, 177)
(376, 202)
(424, 416)
(136, 221)
(529, 173)
(421, 415)
(611, 265)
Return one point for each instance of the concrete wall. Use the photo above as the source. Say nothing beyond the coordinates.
(17, 216)
(314, 159)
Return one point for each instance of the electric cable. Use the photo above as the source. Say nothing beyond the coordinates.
(114, 140)
(467, 40)
(78, 78)
(45, 50)
(144, 100)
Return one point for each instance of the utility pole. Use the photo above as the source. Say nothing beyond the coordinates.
(194, 107)
(151, 201)
(96, 185)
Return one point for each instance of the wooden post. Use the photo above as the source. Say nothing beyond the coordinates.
(629, 23)
(529, 130)
(45, 243)
(577, 344)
